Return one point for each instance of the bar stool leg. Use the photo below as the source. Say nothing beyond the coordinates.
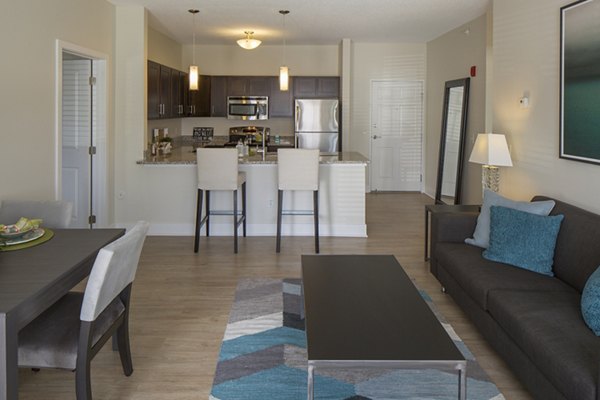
(244, 207)
(316, 212)
(279, 211)
(235, 221)
(198, 220)
(207, 212)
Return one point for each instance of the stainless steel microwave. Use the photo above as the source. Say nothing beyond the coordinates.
(248, 108)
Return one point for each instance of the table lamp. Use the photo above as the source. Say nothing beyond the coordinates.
(491, 150)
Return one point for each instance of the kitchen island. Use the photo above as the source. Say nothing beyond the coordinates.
(341, 195)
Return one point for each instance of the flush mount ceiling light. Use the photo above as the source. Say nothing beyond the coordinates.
(249, 42)
(284, 73)
(193, 67)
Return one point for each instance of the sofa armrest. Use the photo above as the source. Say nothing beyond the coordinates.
(450, 227)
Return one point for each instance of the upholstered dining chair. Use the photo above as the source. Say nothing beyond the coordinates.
(297, 169)
(55, 214)
(218, 170)
(71, 332)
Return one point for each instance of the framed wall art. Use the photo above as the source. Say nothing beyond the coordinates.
(580, 81)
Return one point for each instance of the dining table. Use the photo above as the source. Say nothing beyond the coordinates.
(33, 279)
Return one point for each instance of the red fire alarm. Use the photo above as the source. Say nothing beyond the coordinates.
(473, 71)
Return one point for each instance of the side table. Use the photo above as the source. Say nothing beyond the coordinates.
(446, 208)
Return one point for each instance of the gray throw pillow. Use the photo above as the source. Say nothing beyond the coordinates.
(481, 236)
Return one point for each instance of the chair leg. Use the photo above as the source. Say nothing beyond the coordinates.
(279, 212)
(316, 212)
(83, 383)
(207, 213)
(198, 220)
(124, 347)
(244, 207)
(235, 220)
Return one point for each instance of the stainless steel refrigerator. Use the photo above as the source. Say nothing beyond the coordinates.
(317, 125)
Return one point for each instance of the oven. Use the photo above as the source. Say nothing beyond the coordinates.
(248, 108)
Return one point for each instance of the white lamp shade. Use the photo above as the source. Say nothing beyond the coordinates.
(284, 78)
(193, 77)
(249, 44)
(491, 149)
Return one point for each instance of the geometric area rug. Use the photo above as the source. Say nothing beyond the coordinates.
(263, 357)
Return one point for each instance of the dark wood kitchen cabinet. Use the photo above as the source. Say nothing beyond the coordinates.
(218, 96)
(178, 93)
(164, 91)
(199, 100)
(153, 90)
(248, 86)
(281, 104)
(316, 87)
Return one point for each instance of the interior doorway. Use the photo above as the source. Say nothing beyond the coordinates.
(396, 135)
(82, 135)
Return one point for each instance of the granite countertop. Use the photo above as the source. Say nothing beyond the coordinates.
(184, 152)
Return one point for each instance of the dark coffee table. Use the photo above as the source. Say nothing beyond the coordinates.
(364, 311)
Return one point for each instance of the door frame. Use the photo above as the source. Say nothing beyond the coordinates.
(101, 139)
(423, 128)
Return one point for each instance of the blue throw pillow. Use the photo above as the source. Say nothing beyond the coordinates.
(523, 239)
(590, 302)
(481, 236)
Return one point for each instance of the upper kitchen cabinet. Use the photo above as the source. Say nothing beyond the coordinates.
(316, 87)
(218, 96)
(163, 84)
(281, 104)
(248, 86)
(179, 86)
(199, 100)
(154, 107)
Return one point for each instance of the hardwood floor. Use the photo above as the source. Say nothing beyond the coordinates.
(181, 301)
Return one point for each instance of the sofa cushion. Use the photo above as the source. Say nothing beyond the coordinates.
(548, 327)
(523, 239)
(590, 302)
(577, 254)
(481, 236)
(477, 276)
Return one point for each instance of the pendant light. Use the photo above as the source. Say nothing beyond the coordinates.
(249, 42)
(284, 73)
(193, 67)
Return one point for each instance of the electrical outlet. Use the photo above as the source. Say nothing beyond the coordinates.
(270, 203)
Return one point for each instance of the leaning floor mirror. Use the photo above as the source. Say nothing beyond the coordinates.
(452, 141)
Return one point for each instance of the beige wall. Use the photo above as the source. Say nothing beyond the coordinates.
(526, 58)
(450, 57)
(164, 50)
(133, 184)
(28, 70)
(371, 61)
(264, 60)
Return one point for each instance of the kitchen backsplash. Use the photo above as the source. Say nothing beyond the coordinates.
(279, 126)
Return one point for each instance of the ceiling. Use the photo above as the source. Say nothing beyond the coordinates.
(310, 22)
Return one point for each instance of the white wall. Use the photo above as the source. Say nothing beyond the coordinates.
(405, 61)
(28, 69)
(526, 58)
(450, 57)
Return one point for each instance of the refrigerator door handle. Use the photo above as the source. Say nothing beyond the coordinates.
(297, 118)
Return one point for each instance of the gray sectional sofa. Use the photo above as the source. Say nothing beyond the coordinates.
(533, 321)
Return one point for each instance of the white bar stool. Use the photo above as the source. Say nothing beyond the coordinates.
(298, 169)
(218, 170)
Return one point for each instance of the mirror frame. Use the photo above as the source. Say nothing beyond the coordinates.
(464, 83)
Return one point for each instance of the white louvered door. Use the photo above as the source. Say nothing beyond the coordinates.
(396, 135)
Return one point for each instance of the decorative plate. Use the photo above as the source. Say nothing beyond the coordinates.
(28, 236)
